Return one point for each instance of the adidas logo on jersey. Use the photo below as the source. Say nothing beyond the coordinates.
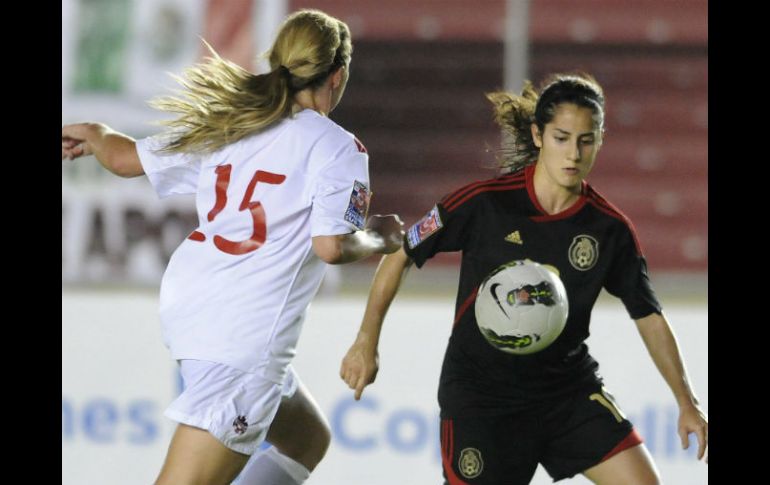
(514, 238)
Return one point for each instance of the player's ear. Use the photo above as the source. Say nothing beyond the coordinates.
(337, 77)
(536, 135)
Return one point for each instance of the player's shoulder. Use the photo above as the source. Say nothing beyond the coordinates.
(604, 207)
(611, 213)
(474, 191)
(328, 135)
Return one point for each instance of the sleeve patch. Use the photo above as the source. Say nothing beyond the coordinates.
(358, 205)
(424, 228)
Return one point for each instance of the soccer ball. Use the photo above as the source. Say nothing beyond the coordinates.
(521, 307)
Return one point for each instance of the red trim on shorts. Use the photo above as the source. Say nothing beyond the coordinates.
(447, 452)
(629, 441)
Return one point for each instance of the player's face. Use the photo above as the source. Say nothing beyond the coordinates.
(568, 146)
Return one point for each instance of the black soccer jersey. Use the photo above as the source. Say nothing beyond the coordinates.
(592, 244)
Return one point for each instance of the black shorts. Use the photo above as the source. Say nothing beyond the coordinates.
(566, 436)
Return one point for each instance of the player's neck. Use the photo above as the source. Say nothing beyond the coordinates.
(318, 100)
(552, 197)
(553, 204)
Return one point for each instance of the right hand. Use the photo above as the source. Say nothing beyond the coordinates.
(73, 140)
(360, 365)
(390, 228)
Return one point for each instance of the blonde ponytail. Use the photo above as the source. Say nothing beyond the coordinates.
(222, 103)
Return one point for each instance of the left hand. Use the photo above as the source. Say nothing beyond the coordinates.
(693, 420)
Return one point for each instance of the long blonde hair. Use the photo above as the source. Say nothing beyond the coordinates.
(222, 103)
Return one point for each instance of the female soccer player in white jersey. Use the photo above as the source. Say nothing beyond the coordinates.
(280, 191)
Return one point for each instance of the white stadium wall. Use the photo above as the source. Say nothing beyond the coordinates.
(117, 379)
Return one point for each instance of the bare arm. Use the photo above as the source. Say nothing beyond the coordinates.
(360, 365)
(383, 235)
(114, 150)
(664, 350)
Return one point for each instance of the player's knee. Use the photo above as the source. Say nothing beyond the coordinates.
(652, 479)
(311, 450)
(327, 437)
(639, 477)
(320, 444)
(639, 480)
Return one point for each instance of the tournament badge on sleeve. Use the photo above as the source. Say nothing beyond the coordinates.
(423, 228)
(358, 206)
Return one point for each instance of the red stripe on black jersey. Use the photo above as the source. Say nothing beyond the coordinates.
(596, 200)
(480, 190)
(464, 306)
(561, 215)
(457, 194)
(544, 216)
(594, 195)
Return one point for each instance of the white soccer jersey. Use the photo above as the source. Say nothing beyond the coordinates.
(235, 291)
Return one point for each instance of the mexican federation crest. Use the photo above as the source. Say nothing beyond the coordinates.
(470, 463)
(583, 252)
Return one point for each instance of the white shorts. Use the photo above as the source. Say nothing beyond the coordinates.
(236, 407)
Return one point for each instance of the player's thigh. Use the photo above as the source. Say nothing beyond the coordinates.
(584, 430)
(300, 430)
(489, 450)
(632, 466)
(234, 406)
(196, 457)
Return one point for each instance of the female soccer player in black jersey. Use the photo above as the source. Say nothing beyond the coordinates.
(503, 414)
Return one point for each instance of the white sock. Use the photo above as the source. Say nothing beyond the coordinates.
(272, 468)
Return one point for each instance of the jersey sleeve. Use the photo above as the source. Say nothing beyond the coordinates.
(169, 174)
(341, 194)
(628, 279)
(438, 231)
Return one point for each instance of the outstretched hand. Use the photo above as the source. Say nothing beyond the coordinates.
(359, 367)
(390, 227)
(73, 141)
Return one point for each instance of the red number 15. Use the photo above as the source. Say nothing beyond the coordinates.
(255, 208)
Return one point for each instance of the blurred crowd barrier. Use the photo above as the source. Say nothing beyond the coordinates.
(415, 99)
